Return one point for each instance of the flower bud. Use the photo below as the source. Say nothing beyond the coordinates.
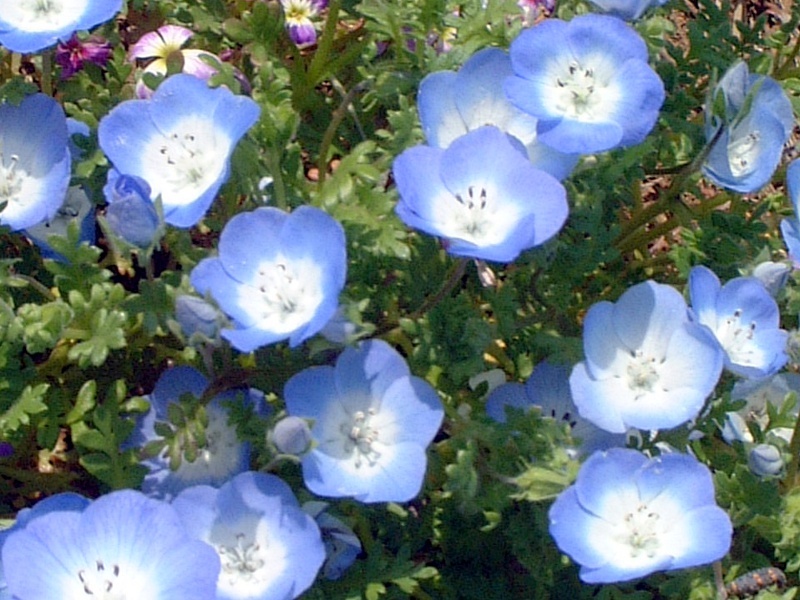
(765, 460)
(291, 435)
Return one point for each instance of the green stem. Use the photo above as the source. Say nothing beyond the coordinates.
(794, 456)
(666, 199)
(47, 72)
(39, 287)
(316, 70)
(336, 119)
(455, 275)
(278, 186)
(781, 72)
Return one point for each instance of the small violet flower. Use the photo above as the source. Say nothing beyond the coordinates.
(122, 545)
(28, 26)
(270, 549)
(131, 214)
(180, 142)
(372, 423)
(278, 275)
(452, 103)
(628, 515)
(222, 455)
(34, 161)
(587, 82)
(548, 388)
(481, 195)
(745, 320)
(790, 227)
(298, 15)
(751, 118)
(630, 10)
(73, 54)
(647, 364)
(160, 46)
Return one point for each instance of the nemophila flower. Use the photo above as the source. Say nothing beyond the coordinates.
(197, 318)
(647, 364)
(32, 25)
(773, 275)
(219, 456)
(342, 546)
(481, 195)
(628, 515)
(291, 435)
(372, 421)
(278, 275)
(269, 548)
(298, 15)
(122, 545)
(587, 82)
(164, 44)
(751, 118)
(73, 54)
(790, 227)
(548, 389)
(78, 209)
(34, 161)
(745, 320)
(179, 141)
(630, 10)
(131, 214)
(452, 103)
(59, 502)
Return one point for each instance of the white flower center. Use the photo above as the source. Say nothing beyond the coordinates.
(298, 12)
(475, 216)
(104, 581)
(639, 532)
(359, 438)
(219, 457)
(736, 337)
(183, 163)
(250, 560)
(42, 15)
(583, 91)
(743, 154)
(284, 295)
(11, 178)
(642, 373)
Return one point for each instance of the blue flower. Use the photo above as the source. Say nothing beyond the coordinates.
(548, 388)
(481, 195)
(121, 545)
(223, 454)
(450, 104)
(745, 320)
(31, 25)
(60, 502)
(342, 546)
(131, 214)
(269, 548)
(756, 119)
(34, 161)
(179, 141)
(277, 276)
(630, 10)
(372, 421)
(587, 82)
(628, 516)
(790, 227)
(198, 320)
(77, 208)
(647, 365)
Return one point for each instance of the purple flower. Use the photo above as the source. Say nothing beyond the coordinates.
(298, 15)
(628, 516)
(372, 421)
(278, 275)
(481, 194)
(72, 55)
(269, 548)
(121, 545)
